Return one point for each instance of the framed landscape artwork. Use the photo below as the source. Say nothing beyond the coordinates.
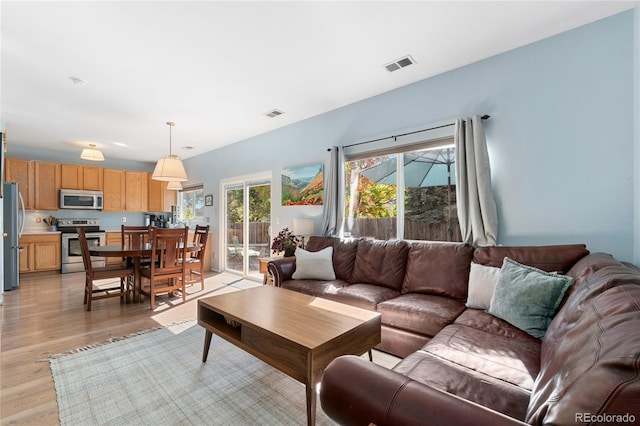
(302, 186)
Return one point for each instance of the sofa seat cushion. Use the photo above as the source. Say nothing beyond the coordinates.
(315, 287)
(365, 296)
(439, 268)
(484, 321)
(420, 313)
(515, 361)
(595, 367)
(473, 369)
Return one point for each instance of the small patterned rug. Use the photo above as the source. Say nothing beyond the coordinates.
(157, 378)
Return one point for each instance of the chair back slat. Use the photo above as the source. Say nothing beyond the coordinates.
(84, 248)
(169, 249)
(135, 236)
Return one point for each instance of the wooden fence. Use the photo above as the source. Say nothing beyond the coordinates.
(385, 229)
(380, 228)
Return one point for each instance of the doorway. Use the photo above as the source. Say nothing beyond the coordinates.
(247, 224)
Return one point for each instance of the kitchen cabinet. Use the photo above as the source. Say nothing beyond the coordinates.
(136, 184)
(40, 252)
(93, 178)
(71, 176)
(114, 190)
(47, 185)
(22, 172)
(113, 238)
(160, 198)
(81, 177)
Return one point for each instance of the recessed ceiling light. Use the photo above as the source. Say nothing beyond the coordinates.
(77, 81)
(273, 113)
(187, 147)
(399, 63)
(120, 144)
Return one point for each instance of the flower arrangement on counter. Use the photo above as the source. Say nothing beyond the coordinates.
(285, 242)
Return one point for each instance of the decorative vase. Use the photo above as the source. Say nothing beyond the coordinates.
(289, 251)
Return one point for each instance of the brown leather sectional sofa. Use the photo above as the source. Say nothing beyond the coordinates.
(465, 366)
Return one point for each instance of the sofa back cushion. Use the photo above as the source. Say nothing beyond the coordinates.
(344, 254)
(438, 268)
(556, 258)
(380, 263)
(593, 369)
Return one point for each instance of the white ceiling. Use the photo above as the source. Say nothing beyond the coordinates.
(214, 68)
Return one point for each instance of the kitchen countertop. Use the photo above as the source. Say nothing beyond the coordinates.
(38, 231)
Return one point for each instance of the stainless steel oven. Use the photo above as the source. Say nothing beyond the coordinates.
(71, 253)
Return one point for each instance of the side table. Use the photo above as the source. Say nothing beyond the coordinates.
(268, 279)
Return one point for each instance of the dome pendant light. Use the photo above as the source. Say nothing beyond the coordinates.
(170, 168)
(91, 153)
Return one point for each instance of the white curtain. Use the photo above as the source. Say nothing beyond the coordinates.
(477, 211)
(333, 200)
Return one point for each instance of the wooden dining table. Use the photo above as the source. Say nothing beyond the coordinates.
(135, 253)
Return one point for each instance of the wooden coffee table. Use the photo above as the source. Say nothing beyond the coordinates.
(293, 332)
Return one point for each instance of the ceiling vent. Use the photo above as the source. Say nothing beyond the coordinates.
(273, 113)
(400, 63)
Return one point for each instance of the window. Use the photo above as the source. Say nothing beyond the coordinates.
(403, 192)
(191, 203)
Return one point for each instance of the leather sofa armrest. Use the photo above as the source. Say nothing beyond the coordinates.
(281, 269)
(358, 392)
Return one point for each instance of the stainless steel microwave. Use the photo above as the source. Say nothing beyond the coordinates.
(81, 199)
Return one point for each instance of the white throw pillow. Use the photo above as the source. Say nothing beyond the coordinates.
(482, 284)
(314, 265)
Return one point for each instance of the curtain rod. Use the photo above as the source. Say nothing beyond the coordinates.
(484, 117)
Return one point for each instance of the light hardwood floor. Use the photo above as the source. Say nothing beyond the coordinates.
(46, 316)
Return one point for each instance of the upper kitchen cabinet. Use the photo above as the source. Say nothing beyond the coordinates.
(22, 172)
(47, 185)
(82, 177)
(114, 190)
(136, 191)
(93, 178)
(160, 198)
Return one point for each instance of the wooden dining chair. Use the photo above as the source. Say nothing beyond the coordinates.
(166, 273)
(94, 290)
(136, 236)
(195, 261)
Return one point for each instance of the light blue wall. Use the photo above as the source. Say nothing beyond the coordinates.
(560, 137)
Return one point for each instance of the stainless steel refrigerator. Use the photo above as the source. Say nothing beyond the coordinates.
(14, 218)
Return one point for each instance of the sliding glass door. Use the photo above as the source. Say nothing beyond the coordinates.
(247, 221)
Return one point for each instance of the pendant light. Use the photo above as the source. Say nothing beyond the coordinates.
(175, 186)
(91, 153)
(170, 168)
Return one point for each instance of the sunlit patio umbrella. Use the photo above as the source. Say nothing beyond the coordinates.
(421, 169)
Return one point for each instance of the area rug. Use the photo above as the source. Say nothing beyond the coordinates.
(243, 284)
(157, 378)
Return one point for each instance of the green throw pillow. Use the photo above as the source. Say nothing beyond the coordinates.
(527, 297)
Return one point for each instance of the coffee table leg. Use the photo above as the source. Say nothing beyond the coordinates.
(207, 344)
(311, 404)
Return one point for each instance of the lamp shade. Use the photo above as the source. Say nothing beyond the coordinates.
(175, 186)
(92, 154)
(303, 227)
(170, 169)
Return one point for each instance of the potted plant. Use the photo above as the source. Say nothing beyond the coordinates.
(285, 242)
